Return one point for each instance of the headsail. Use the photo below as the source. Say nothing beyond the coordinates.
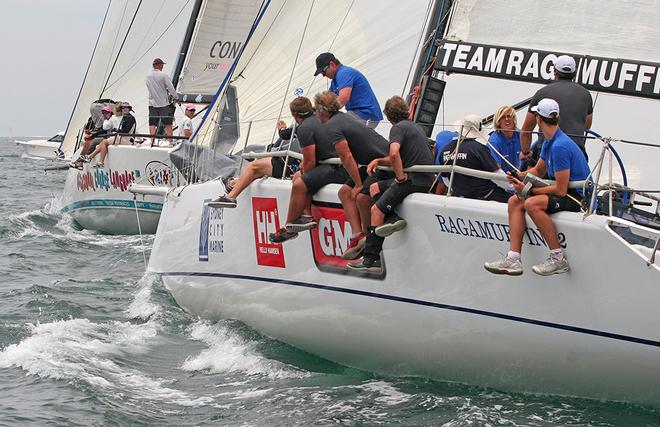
(133, 34)
(221, 29)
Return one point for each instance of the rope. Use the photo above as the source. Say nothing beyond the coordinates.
(137, 216)
(137, 9)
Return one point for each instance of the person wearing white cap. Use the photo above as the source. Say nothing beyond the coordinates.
(575, 102)
(186, 127)
(563, 161)
(474, 155)
(162, 96)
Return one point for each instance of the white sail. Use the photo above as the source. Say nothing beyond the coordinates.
(221, 29)
(279, 62)
(118, 68)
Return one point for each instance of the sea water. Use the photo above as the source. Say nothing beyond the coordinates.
(86, 338)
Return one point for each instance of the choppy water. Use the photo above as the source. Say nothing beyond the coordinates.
(87, 339)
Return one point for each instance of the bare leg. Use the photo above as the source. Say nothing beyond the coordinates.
(86, 145)
(350, 208)
(364, 206)
(535, 207)
(298, 200)
(152, 132)
(168, 130)
(98, 148)
(517, 223)
(104, 150)
(254, 170)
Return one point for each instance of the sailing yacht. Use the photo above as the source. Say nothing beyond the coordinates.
(197, 39)
(433, 310)
(42, 148)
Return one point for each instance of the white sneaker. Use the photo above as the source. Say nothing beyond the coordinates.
(506, 265)
(551, 266)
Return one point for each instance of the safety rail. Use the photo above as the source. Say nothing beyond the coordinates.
(638, 230)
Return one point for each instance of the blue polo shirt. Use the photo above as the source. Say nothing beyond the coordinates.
(509, 148)
(363, 101)
(561, 153)
(441, 139)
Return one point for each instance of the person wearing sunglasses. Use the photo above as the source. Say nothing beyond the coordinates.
(352, 89)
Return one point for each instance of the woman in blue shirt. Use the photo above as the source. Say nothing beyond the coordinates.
(505, 138)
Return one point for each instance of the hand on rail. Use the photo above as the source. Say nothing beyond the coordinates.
(371, 167)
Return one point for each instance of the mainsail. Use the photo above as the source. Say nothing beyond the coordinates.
(220, 31)
(278, 63)
(133, 34)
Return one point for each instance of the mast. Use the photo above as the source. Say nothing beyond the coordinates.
(181, 58)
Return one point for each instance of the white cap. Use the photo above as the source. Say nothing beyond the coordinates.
(470, 124)
(565, 64)
(546, 107)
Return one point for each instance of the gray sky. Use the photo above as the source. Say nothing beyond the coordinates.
(46, 46)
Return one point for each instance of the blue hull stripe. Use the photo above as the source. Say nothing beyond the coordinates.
(405, 300)
(112, 203)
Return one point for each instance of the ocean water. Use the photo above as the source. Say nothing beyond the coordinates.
(86, 338)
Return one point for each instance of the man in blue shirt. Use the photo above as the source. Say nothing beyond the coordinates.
(563, 160)
(352, 89)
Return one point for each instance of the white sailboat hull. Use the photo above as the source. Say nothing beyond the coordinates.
(98, 198)
(39, 148)
(436, 313)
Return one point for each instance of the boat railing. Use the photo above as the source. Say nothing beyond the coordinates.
(645, 252)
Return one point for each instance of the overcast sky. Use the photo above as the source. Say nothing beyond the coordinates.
(46, 46)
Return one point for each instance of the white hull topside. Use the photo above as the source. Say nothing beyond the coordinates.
(98, 198)
(435, 312)
(39, 148)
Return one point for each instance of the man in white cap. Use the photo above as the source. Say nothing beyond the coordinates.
(474, 155)
(563, 161)
(162, 96)
(574, 100)
(186, 127)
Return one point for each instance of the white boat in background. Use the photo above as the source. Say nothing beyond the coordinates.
(98, 198)
(433, 310)
(42, 148)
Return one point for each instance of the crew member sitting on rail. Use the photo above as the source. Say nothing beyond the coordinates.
(474, 155)
(505, 139)
(408, 147)
(186, 127)
(316, 146)
(92, 139)
(564, 161)
(356, 144)
(259, 168)
(122, 122)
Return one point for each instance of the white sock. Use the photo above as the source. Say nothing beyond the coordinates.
(354, 235)
(513, 255)
(557, 254)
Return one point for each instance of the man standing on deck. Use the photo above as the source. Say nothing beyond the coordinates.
(352, 88)
(356, 144)
(162, 96)
(574, 101)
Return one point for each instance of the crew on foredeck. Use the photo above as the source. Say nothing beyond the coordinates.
(356, 144)
(563, 161)
(352, 89)
(407, 147)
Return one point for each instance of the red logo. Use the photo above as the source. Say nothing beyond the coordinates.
(331, 238)
(266, 221)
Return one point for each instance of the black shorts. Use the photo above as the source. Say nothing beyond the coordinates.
(162, 115)
(322, 175)
(394, 193)
(367, 180)
(565, 203)
(278, 166)
(498, 194)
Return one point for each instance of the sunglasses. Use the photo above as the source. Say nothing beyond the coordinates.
(324, 69)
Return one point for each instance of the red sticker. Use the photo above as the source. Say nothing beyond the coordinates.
(266, 220)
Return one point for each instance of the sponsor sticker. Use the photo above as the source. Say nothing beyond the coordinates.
(266, 220)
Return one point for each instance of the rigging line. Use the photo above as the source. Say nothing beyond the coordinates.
(114, 43)
(332, 43)
(86, 72)
(418, 49)
(137, 61)
(128, 31)
(153, 21)
(293, 70)
(256, 49)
